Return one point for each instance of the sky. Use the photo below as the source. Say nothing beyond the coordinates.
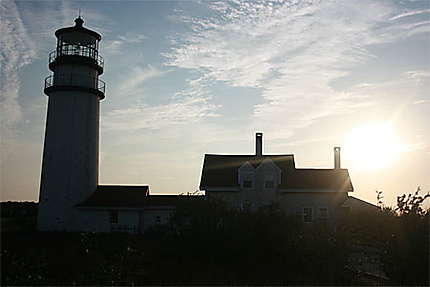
(188, 78)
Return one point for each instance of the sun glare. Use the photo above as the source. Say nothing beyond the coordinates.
(372, 146)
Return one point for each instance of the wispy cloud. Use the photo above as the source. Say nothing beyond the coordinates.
(142, 116)
(292, 51)
(17, 51)
(192, 105)
(115, 45)
(405, 14)
(421, 102)
(27, 35)
(130, 83)
(418, 75)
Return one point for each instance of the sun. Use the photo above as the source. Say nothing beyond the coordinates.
(372, 146)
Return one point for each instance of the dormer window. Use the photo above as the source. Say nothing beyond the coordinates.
(246, 176)
(269, 180)
(247, 180)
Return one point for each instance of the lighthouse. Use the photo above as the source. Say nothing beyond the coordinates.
(71, 148)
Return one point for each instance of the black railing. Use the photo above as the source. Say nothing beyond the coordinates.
(74, 80)
(76, 50)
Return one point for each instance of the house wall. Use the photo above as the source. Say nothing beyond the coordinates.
(294, 202)
(92, 221)
(258, 194)
(99, 221)
(246, 197)
(291, 202)
(129, 221)
(153, 216)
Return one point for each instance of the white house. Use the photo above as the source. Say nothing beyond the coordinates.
(258, 179)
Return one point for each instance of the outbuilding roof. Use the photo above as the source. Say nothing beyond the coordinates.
(359, 205)
(128, 196)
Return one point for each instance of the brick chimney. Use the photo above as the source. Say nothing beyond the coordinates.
(259, 144)
(336, 157)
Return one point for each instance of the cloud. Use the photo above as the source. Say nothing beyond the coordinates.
(183, 110)
(192, 105)
(130, 83)
(410, 13)
(292, 51)
(27, 35)
(17, 51)
(115, 46)
(418, 75)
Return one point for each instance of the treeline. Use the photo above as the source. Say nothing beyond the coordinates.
(18, 216)
(210, 243)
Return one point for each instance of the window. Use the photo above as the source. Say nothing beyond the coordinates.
(247, 183)
(247, 180)
(323, 213)
(307, 214)
(113, 216)
(269, 180)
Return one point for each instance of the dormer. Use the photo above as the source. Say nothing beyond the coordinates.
(246, 176)
(270, 174)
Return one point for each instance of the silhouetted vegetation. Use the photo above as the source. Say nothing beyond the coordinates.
(210, 243)
(264, 247)
(406, 244)
(18, 216)
(400, 234)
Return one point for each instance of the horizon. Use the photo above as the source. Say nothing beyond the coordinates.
(189, 78)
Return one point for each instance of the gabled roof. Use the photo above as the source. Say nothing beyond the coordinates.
(117, 196)
(220, 171)
(317, 179)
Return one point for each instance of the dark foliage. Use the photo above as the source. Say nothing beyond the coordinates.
(406, 241)
(263, 247)
(18, 216)
(46, 259)
(400, 234)
(210, 243)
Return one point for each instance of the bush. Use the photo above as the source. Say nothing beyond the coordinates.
(401, 234)
(210, 243)
(227, 246)
(406, 241)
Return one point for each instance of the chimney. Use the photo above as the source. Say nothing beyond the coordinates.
(336, 157)
(259, 144)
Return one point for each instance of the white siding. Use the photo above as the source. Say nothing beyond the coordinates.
(151, 214)
(99, 221)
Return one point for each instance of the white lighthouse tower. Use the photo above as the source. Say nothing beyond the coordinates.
(71, 150)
